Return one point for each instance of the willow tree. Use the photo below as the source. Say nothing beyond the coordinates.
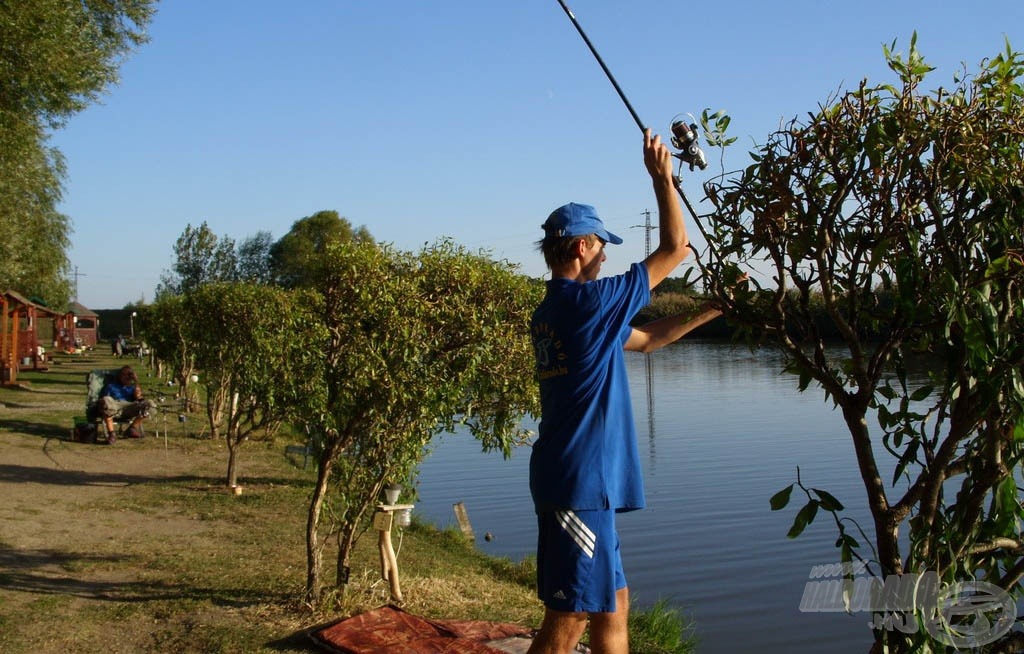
(56, 58)
(418, 344)
(900, 212)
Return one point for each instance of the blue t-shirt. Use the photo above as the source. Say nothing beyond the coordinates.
(585, 456)
(119, 392)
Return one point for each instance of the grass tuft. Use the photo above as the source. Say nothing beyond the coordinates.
(661, 629)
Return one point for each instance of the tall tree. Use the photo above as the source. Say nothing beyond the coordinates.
(56, 57)
(297, 257)
(200, 257)
(893, 192)
(254, 258)
(36, 235)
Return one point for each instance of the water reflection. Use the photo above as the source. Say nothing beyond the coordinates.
(649, 370)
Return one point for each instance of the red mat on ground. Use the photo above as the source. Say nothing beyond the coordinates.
(389, 629)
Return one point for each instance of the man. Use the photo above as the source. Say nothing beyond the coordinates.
(123, 398)
(585, 466)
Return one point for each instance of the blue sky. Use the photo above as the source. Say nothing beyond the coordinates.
(451, 118)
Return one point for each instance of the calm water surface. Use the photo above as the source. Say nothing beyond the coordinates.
(720, 433)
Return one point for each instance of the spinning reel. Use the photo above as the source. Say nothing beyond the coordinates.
(684, 139)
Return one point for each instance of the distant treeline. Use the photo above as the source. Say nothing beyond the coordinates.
(671, 303)
(673, 297)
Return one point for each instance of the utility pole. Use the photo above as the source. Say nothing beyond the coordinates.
(647, 227)
(77, 275)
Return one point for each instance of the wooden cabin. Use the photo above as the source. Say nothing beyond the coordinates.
(84, 328)
(30, 332)
(8, 341)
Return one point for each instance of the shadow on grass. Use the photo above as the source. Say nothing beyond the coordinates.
(15, 405)
(11, 473)
(62, 477)
(45, 572)
(64, 379)
(41, 429)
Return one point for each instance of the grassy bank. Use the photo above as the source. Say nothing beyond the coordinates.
(140, 547)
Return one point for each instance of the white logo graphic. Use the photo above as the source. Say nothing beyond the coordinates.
(966, 614)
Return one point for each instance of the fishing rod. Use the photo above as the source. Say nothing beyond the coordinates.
(684, 136)
(611, 78)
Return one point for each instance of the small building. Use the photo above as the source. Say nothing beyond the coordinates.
(28, 330)
(8, 340)
(24, 349)
(84, 328)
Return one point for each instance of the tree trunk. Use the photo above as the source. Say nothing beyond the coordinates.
(345, 545)
(314, 550)
(232, 462)
(886, 528)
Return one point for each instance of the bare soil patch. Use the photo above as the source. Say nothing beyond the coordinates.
(138, 546)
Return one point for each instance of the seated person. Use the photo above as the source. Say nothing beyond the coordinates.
(123, 397)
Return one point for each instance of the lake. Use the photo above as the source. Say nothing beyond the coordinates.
(720, 432)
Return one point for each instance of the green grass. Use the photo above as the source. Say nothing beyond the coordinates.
(661, 629)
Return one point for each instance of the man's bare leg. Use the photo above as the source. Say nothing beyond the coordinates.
(559, 632)
(609, 632)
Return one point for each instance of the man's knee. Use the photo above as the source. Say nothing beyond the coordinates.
(109, 407)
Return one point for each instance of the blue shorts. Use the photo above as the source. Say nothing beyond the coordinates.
(578, 563)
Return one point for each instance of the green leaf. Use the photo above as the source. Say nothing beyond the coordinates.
(1006, 495)
(781, 499)
(805, 379)
(922, 393)
(803, 518)
(828, 501)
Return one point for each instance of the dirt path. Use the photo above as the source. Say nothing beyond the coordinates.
(64, 542)
(92, 560)
(49, 485)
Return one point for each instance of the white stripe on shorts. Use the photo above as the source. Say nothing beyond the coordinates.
(578, 531)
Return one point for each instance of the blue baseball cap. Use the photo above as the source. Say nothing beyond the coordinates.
(577, 220)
